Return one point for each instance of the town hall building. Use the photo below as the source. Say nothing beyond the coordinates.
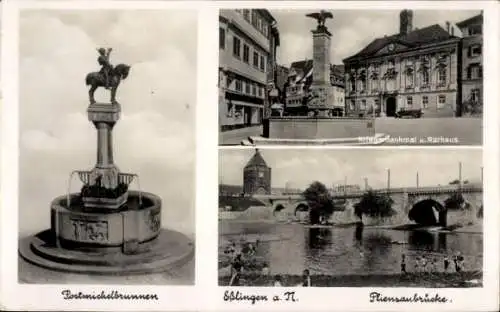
(415, 69)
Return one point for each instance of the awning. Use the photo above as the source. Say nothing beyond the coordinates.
(277, 106)
(241, 103)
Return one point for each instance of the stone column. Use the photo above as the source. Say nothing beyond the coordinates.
(104, 117)
(321, 88)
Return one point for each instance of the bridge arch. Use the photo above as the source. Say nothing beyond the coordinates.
(278, 208)
(428, 212)
(301, 207)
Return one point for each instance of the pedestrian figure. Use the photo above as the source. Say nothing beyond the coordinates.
(417, 263)
(277, 281)
(446, 263)
(461, 263)
(265, 270)
(403, 263)
(306, 279)
(457, 265)
(236, 267)
(424, 264)
(433, 265)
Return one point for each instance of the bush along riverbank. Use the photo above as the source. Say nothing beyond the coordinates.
(412, 279)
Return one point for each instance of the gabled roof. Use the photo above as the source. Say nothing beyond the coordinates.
(257, 160)
(478, 19)
(302, 67)
(338, 70)
(415, 38)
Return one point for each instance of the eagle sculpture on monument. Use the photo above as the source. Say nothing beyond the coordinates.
(321, 17)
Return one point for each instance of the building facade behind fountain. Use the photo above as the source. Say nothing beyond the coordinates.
(414, 69)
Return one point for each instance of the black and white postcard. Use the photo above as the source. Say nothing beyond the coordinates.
(249, 156)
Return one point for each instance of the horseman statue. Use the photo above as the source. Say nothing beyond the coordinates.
(108, 77)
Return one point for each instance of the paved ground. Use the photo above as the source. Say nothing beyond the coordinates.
(234, 137)
(423, 131)
(432, 131)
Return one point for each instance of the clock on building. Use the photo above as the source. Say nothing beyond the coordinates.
(261, 174)
(391, 47)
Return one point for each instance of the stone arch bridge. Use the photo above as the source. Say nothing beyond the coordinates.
(404, 198)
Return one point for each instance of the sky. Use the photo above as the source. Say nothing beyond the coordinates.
(297, 168)
(155, 135)
(351, 30)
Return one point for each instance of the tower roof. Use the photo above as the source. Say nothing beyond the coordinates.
(257, 160)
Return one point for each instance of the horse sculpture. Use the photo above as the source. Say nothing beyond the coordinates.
(97, 79)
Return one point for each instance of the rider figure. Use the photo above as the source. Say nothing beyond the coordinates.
(106, 68)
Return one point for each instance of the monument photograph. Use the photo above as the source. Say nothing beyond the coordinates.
(347, 218)
(107, 146)
(350, 77)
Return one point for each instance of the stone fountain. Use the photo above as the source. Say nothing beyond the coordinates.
(106, 228)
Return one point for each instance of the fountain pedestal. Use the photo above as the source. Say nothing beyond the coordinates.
(106, 228)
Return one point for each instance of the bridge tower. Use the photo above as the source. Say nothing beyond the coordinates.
(257, 176)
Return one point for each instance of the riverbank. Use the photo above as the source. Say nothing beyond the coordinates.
(412, 279)
(454, 228)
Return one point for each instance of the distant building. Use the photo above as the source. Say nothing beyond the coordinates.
(413, 69)
(472, 63)
(257, 176)
(297, 88)
(247, 57)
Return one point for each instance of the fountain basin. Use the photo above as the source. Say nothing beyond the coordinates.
(128, 241)
(74, 227)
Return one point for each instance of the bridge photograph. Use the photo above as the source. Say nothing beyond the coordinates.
(351, 218)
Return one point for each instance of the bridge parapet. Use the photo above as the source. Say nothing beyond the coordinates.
(414, 191)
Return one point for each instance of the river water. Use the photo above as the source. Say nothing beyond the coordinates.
(291, 248)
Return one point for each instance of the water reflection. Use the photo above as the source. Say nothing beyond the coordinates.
(427, 240)
(357, 249)
(319, 238)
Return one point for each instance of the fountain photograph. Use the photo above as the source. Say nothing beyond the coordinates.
(106, 167)
(351, 218)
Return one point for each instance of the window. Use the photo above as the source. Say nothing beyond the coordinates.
(475, 50)
(256, 59)
(352, 105)
(441, 101)
(409, 101)
(409, 78)
(260, 91)
(353, 84)
(475, 30)
(376, 103)
(238, 85)
(247, 88)
(425, 77)
(442, 75)
(363, 84)
(262, 63)
(363, 104)
(474, 71)
(254, 89)
(246, 53)
(475, 95)
(425, 101)
(246, 14)
(391, 64)
(236, 47)
(222, 38)
(254, 18)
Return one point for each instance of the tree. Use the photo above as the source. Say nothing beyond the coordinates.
(374, 204)
(455, 201)
(320, 202)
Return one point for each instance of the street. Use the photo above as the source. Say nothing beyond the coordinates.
(419, 131)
